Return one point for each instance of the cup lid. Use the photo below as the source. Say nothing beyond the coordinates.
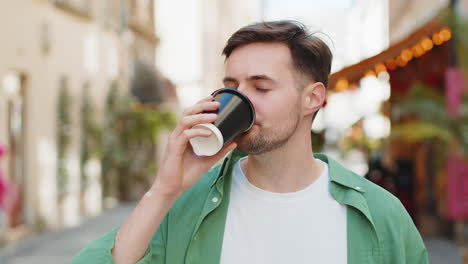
(244, 98)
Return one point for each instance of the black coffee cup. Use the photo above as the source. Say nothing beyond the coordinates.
(236, 115)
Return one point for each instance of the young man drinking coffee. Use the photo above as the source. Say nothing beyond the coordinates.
(272, 200)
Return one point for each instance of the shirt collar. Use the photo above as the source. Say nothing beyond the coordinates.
(338, 174)
(345, 187)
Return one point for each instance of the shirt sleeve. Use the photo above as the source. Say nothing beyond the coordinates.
(415, 250)
(99, 251)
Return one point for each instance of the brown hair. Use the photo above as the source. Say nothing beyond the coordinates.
(310, 55)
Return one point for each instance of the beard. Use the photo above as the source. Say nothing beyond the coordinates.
(262, 140)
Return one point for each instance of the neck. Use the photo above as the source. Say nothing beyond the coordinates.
(287, 169)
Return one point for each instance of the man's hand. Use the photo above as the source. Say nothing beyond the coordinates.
(181, 168)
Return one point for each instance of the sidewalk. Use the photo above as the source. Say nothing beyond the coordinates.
(61, 246)
(442, 251)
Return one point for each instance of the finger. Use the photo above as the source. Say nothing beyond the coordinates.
(201, 107)
(206, 99)
(188, 122)
(188, 134)
(197, 132)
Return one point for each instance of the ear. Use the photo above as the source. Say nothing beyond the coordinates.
(313, 97)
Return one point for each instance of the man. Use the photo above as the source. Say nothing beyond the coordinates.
(279, 204)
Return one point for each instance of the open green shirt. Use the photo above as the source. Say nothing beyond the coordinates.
(379, 230)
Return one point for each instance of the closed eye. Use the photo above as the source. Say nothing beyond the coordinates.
(261, 90)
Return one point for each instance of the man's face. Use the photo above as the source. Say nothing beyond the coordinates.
(264, 73)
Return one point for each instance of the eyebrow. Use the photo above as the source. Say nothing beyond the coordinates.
(251, 78)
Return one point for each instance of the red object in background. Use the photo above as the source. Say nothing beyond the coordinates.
(457, 177)
(10, 197)
(3, 183)
(3, 187)
(453, 88)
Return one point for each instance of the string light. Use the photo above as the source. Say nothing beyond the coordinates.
(437, 38)
(427, 44)
(406, 55)
(379, 67)
(446, 34)
(401, 62)
(342, 85)
(391, 64)
(370, 73)
(418, 51)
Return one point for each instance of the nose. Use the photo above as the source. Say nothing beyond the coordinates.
(241, 88)
(244, 90)
(249, 93)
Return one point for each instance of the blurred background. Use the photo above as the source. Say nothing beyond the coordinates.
(91, 89)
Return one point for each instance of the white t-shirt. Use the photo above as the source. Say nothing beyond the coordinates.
(307, 226)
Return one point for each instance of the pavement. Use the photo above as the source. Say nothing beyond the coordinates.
(442, 251)
(60, 246)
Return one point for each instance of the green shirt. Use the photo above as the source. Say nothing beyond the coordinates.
(379, 230)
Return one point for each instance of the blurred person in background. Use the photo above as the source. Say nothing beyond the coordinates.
(272, 200)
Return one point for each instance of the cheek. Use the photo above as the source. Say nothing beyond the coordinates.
(271, 110)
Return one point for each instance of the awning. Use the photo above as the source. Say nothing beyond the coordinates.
(399, 53)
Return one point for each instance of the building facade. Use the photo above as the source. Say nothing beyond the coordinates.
(51, 51)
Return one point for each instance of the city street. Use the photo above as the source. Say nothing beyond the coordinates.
(60, 247)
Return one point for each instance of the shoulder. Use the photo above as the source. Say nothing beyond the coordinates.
(394, 226)
(381, 203)
(391, 220)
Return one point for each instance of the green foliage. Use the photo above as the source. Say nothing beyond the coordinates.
(63, 136)
(423, 102)
(459, 27)
(422, 130)
(129, 141)
(110, 144)
(90, 135)
(432, 121)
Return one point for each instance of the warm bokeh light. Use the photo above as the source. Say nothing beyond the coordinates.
(426, 44)
(437, 38)
(401, 62)
(380, 67)
(391, 64)
(446, 34)
(406, 54)
(370, 73)
(418, 50)
(342, 85)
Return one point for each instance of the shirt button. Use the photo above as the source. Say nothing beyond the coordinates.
(214, 200)
(357, 188)
(195, 237)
